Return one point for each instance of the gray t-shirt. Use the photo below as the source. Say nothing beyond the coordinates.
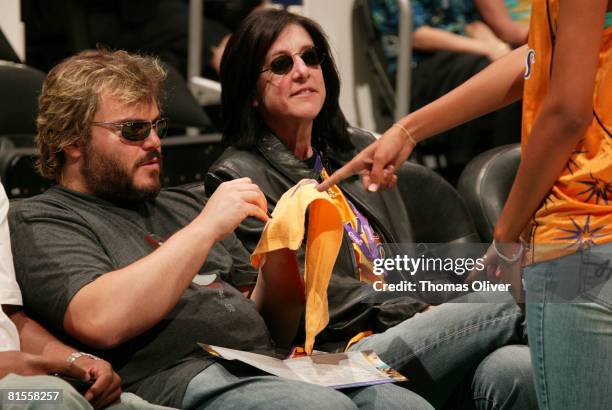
(62, 240)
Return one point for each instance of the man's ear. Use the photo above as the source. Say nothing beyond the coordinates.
(74, 151)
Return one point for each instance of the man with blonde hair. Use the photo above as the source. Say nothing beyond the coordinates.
(141, 274)
(89, 86)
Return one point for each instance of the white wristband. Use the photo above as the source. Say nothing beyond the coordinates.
(514, 258)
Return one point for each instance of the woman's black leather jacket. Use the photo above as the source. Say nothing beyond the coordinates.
(273, 167)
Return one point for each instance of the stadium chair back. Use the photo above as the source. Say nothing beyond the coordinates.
(20, 87)
(437, 212)
(485, 184)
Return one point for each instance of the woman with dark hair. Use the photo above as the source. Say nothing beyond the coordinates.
(243, 124)
(282, 118)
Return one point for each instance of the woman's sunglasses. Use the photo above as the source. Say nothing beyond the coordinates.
(137, 130)
(283, 64)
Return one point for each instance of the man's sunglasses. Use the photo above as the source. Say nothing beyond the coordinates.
(137, 130)
(284, 63)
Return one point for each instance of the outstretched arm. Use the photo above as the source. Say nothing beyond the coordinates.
(498, 85)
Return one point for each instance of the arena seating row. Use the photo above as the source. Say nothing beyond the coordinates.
(440, 214)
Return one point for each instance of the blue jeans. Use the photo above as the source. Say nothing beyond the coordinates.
(225, 385)
(454, 356)
(569, 319)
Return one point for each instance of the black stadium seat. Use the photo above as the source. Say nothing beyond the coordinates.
(437, 212)
(17, 171)
(485, 184)
(20, 87)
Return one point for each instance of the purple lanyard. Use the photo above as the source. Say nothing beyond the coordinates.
(369, 248)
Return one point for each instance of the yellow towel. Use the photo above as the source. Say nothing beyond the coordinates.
(286, 230)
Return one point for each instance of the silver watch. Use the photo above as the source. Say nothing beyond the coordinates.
(75, 355)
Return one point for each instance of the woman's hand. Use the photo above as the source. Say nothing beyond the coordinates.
(377, 162)
(492, 46)
(503, 264)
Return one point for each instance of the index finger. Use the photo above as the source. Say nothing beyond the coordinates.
(361, 162)
(256, 198)
(346, 171)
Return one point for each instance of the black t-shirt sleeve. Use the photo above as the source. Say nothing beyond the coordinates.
(55, 256)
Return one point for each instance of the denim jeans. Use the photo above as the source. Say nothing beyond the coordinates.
(569, 318)
(71, 399)
(227, 385)
(454, 356)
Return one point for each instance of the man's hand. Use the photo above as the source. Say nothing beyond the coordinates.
(26, 364)
(376, 163)
(230, 204)
(106, 387)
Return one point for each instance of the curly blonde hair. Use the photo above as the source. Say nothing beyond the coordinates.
(71, 94)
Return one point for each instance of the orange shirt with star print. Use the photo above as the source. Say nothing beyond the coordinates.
(577, 212)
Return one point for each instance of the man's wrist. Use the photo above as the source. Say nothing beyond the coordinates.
(74, 356)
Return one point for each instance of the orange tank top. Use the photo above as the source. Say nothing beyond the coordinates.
(577, 212)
